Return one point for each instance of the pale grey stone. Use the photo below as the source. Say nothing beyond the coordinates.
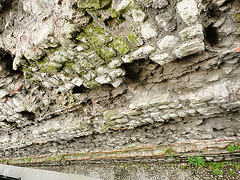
(168, 42)
(123, 5)
(189, 47)
(79, 48)
(159, 4)
(141, 53)
(143, 105)
(148, 31)
(163, 19)
(104, 79)
(127, 59)
(162, 100)
(117, 82)
(3, 93)
(166, 117)
(115, 63)
(192, 32)
(173, 115)
(188, 11)
(77, 81)
(70, 30)
(181, 113)
(156, 114)
(161, 58)
(138, 16)
(207, 136)
(219, 2)
(117, 72)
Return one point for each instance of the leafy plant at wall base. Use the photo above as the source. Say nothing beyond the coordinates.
(196, 161)
(233, 147)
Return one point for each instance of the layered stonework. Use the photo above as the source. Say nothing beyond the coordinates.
(102, 75)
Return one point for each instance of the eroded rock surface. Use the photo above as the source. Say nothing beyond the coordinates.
(80, 76)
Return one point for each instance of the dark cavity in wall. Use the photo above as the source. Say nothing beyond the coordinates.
(134, 69)
(6, 63)
(211, 35)
(79, 89)
(28, 115)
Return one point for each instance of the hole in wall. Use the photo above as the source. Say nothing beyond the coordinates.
(28, 115)
(110, 22)
(211, 35)
(133, 70)
(79, 89)
(6, 64)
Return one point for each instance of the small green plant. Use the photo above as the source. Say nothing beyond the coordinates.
(183, 166)
(231, 172)
(28, 159)
(196, 161)
(233, 147)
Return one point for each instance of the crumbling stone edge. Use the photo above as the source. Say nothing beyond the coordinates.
(173, 153)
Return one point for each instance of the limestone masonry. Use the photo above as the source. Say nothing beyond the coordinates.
(103, 75)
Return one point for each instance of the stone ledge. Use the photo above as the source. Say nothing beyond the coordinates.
(177, 152)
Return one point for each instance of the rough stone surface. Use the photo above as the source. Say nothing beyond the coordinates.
(108, 75)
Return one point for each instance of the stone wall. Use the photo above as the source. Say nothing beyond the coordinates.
(90, 76)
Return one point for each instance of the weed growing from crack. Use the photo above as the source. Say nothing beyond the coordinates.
(233, 147)
(196, 161)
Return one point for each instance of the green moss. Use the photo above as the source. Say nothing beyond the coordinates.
(93, 4)
(132, 37)
(91, 84)
(107, 53)
(120, 45)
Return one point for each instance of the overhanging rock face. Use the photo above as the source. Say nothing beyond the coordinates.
(101, 75)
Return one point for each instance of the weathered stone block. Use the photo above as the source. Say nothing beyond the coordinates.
(148, 31)
(138, 16)
(163, 19)
(162, 100)
(123, 5)
(104, 79)
(189, 47)
(188, 11)
(168, 42)
(192, 32)
(161, 58)
(93, 4)
(159, 4)
(70, 30)
(3, 93)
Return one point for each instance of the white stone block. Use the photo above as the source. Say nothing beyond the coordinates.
(190, 47)
(192, 32)
(115, 63)
(168, 42)
(117, 82)
(138, 16)
(161, 58)
(117, 72)
(188, 11)
(163, 19)
(104, 79)
(159, 4)
(3, 93)
(148, 31)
